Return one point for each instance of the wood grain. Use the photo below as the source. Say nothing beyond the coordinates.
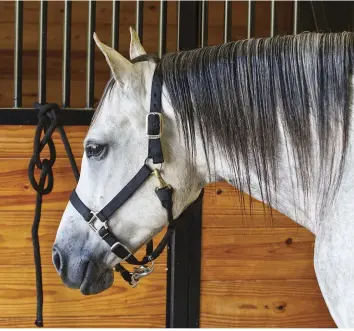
(18, 295)
(290, 303)
(112, 321)
(17, 141)
(257, 253)
(224, 210)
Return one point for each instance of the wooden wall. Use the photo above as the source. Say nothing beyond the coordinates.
(253, 273)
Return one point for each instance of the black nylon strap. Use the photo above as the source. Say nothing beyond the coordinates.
(127, 276)
(80, 206)
(165, 196)
(149, 247)
(126, 192)
(155, 149)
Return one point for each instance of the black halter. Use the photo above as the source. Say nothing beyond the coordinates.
(98, 221)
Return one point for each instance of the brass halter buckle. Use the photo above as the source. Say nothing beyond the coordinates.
(140, 272)
(157, 174)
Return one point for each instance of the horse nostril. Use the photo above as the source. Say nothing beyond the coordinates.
(56, 260)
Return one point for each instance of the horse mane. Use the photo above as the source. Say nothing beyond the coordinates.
(237, 94)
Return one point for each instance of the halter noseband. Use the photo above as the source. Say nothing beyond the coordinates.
(98, 221)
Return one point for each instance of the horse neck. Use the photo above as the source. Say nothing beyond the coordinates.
(285, 199)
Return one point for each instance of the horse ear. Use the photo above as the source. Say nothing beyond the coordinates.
(121, 68)
(136, 49)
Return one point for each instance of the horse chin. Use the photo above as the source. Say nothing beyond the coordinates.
(92, 285)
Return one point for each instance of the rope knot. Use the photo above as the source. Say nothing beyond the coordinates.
(47, 123)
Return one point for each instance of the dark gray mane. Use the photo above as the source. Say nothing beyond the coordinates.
(236, 93)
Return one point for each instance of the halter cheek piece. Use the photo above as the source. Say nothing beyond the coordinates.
(98, 221)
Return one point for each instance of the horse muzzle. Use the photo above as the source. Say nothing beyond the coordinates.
(81, 271)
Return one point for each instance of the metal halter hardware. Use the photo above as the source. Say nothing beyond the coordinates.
(94, 218)
(157, 135)
(140, 272)
(98, 221)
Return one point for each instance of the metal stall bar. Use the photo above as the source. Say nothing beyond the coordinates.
(273, 18)
(139, 19)
(204, 24)
(162, 27)
(227, 20)
(250, 21)
(66, 54)
(115, 24)
(42, 57)
(90, 60)
(18, 54)
(295, 11)
(184, 250)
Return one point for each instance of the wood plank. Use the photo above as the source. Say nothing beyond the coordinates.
(15, 189)
(224, 209)
(112, 321)
(257, 253)
(18, 296)
(288, 303)
(54, 90)
(17, 141)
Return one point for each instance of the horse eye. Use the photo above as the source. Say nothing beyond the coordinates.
(94, 150)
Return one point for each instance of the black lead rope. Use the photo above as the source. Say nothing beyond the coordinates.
(47, 123)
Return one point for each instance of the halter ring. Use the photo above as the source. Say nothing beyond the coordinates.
(141, 272)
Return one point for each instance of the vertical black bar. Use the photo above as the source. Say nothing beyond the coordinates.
(18, 54)
(184, 253)
(42, 58)
(227, 20)
(295, 12)
(187, 25)
(204, 24)
(184, 265)
(90, 61)
(162, 27)
(250, 22)
(115, 24)
(273, 22)
(66, 53)
(139, 18)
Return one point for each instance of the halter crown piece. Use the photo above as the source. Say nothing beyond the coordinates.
(98, 221)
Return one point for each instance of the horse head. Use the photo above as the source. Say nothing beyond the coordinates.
(116, 147)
